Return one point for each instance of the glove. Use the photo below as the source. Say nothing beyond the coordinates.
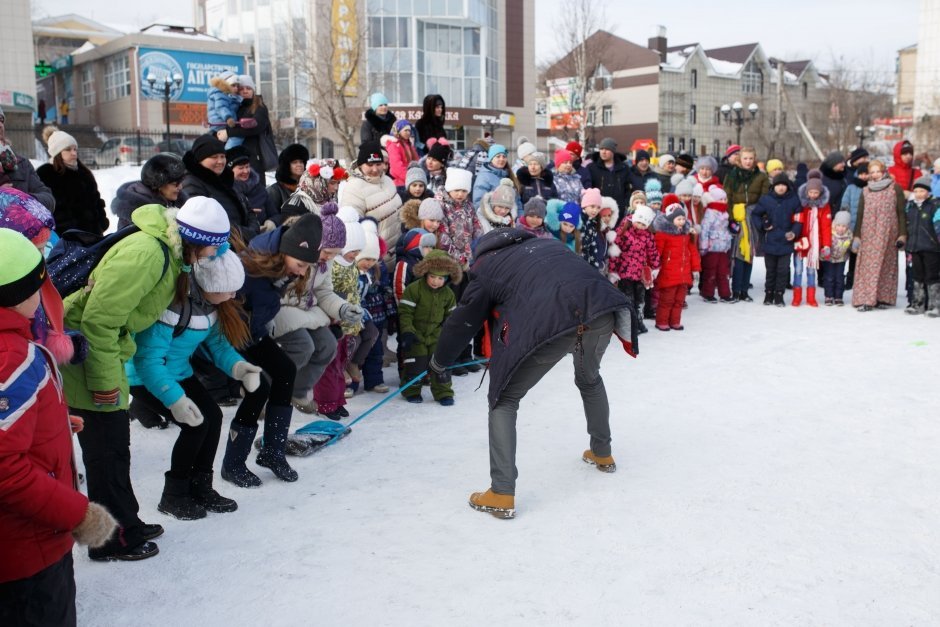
(734, 227)
(654, 273)
(856, 244)
(186, 412)
(109, 397)
(406, 340)
(826, 253)
(695, 277)
(96, 527)
(77, 423)
(268, 226)
(438, 372)
(80, 344)
(766, 223)
(350, 314)
(613, 277)
(248, 374)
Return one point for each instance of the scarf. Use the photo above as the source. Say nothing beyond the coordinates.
(812, 255)
(877, 186)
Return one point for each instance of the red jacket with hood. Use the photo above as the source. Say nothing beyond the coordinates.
(39, 505)
(903, 174)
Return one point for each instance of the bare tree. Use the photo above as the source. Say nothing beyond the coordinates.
(328, 68)
(858, 93)
(573, 78)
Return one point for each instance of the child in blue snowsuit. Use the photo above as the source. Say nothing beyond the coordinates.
(222, 103)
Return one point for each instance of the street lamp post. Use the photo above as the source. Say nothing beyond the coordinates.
(860, 132)
(168, 83)
(738, 120)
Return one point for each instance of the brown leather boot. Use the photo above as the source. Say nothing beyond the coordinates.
(499, 505)
(604, 464)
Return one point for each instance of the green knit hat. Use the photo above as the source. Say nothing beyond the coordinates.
(22, 269)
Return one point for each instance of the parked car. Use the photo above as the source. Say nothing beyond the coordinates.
(176, 146)
(129, 149)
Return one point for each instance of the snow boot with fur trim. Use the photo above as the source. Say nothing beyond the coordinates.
(933, 294)
(498, 505)
(919, 301)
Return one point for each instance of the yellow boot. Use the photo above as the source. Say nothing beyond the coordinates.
(499, 505)
(604, 464)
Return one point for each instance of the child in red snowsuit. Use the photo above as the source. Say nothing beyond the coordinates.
(680, 267)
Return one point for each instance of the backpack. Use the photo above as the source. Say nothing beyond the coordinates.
(77, 253)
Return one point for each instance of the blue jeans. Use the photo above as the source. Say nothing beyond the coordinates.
(798, 264)
(741, 276)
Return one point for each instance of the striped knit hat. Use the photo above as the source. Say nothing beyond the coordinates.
(22, 269)
(203, 221)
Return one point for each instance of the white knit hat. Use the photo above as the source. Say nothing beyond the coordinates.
(221, 274)
(203, 221)
(371, 248)
(524, 148)
(355, 237)
(348, 214)
(643, 215)
(458, 178)
(59, 141)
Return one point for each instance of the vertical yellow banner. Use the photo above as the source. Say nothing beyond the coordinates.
(346, 46)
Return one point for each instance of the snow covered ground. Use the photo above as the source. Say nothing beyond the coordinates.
(775, 467)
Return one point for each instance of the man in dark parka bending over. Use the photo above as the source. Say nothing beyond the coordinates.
(542, 303)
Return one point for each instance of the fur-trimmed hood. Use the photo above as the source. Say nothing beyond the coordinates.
(409, 214)
(822, 201)
(662, 224)
(487, 214)
(437, 262)
(222, 85)
(526, 179)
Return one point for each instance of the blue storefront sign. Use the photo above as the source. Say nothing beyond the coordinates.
(196, 68)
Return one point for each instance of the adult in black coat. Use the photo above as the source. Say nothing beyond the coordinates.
(378, 120)
(431, 123)
(78, 204)
(161, 183)
(207, 174)
(610, 173)
(573, 310)
(253, 107)
(290, 166)
(641, 172)
(833, 177)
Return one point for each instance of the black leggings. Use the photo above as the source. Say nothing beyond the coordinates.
(280, 370)
(195, 447)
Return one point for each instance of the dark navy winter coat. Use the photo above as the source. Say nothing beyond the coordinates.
(531, 290)
(543, 186)
(614, 183)
(779, 212)
(921, 235)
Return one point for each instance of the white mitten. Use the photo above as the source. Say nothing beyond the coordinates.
(248, 374)
(185, 411)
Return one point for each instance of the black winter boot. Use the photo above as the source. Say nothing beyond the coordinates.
(200, 487)
(641, 327)
(933, 300)
(778, 299)
(177, 501)
(918, 300)
(271, 456)
(234, 469)
(768, 297)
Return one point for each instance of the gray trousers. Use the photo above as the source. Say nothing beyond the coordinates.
(587, 362)
(311, 350)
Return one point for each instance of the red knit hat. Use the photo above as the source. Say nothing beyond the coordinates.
(575, 148)
(733, 148)
(561, 156)
(670, 199)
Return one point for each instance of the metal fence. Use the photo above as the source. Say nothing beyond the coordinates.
(106, 147)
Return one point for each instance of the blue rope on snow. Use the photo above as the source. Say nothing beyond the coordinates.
(390, 396)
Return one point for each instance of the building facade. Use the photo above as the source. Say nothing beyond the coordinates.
(478, 54)
(18, 88)
(926, 111)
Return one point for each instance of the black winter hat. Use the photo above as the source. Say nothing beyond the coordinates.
(301, 240)
(237, 155)
(781, 179)
(685, 160)
(440, 152)
(207, 146)
(370, 152)
(162, 169)
(293, 152)
(857, 154)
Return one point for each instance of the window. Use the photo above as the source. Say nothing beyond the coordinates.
(607, 115)
(592, 116)
(717, 116)
(773, 119)
(752, 78)
(716, 147)
(692, 146)
(783, 119)
(117, 78)
(694, 78)
(682, 144)
(805, 88)
(692, 114)
(670, 144)
(88, 85)
(603, 79)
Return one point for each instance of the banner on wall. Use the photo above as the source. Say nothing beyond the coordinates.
(196, 68)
